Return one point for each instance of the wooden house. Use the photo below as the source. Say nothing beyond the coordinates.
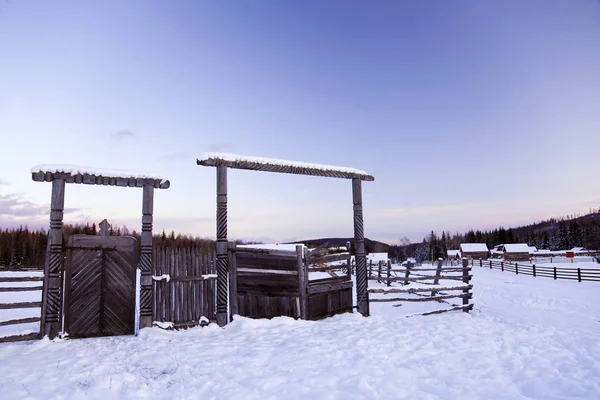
(516, 252)
(474, 250)
(453, 254)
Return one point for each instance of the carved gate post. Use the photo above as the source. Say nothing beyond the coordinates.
(53, 268)
(362, 294)
(222, 264)
(146, 293)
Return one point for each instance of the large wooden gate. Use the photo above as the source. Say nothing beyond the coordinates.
(99, 282)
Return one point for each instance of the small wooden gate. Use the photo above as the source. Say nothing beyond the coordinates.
(99, 282)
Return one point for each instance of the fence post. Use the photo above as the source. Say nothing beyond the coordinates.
(554, 273)
(370, 268)
(517, 268)
(389, 272)
(349, 261)
(466, 279)
(379, 271)
(480, 262)
(233, 301)
(490, 264)
(502, 265)
(302, 281)
(438, 272)
(579, 274)
(408, 267)
(534, 270)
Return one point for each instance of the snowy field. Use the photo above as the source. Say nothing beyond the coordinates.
(528, 338)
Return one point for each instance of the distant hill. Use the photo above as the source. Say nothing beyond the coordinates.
(371, 246)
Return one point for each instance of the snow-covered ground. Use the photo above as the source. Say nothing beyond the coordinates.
(528, 338)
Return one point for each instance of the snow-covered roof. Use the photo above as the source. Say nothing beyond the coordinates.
(578, 249)
(284, 166)
(453, 253)
(532, 249)
(516, 248)
(543, 251)
(96, 176)
(376, 257)
(473, 247)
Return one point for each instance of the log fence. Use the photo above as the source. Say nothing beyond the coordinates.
(576, 274)
(430, 289)
(21, 292)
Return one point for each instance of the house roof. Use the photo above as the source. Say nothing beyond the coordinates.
(453, 252)
(473, 247)
(516, 248)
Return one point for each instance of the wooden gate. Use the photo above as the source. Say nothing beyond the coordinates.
(99, 282)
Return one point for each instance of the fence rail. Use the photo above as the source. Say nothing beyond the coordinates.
(577, 274)
(423, 276)
(20, 293)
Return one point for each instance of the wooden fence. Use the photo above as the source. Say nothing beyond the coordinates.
(270, 283)
(456, 286)
(576, 274)
(20, 303)
(184, 287)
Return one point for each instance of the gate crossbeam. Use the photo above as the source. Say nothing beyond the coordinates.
(52, 297)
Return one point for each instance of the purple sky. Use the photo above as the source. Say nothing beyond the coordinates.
(469, 114)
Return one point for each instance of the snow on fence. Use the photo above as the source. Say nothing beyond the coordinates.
(20, 304)
(184, 287)
(578, 274)
(425, 285)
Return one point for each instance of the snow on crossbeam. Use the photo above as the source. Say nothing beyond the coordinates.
(282, 166)
(96, 176)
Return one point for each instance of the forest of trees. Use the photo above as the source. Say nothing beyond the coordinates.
(552, 234)
(24, 247)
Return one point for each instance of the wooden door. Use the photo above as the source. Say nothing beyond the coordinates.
(100, 286)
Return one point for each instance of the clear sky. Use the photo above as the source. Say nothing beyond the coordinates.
(470, 114)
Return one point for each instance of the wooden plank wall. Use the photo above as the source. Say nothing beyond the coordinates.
(267, 284)
(189, 292)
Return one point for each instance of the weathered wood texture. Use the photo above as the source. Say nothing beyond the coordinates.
(189, 292)
(5, 301)
(277, 284)
(146, 295)
(88, 179)
(441, 293)
(268, 285)
(222, 262)
(53, 270)
(282, 168)
(100, 286)
(362, 294)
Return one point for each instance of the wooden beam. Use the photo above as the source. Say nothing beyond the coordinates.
(88, 179)
(146, 264)
(283, 168)
(362, 294)
(53, 269)
(222, 264)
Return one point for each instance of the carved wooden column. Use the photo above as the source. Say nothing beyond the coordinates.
(53, 268)
(362, 295)
(146, 265)
(222, 264)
